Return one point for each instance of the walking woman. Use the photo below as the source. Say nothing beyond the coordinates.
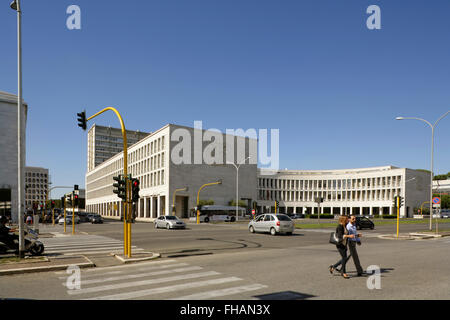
(342, 235)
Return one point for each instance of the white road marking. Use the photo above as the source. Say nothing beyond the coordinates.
(142, 283)
(147, 292)
(220, 293)
(140, 275)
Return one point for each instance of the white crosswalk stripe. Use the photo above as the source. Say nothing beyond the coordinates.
(157, 277)
(79, 244)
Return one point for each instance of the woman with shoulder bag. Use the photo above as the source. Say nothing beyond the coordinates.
(342, 235)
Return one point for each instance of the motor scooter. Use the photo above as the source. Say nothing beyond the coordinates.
(32, 243)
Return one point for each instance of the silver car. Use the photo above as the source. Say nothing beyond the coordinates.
(273, 223)
(169, 222)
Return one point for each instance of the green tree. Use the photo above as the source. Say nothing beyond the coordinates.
(240, 204)
(206, 202)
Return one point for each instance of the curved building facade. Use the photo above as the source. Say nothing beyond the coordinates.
(366, 191)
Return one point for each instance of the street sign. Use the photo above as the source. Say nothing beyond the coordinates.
(436, 200)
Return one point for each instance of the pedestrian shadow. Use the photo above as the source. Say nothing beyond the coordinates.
(285, 295)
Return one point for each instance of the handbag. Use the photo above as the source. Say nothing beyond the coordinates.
(333, 238)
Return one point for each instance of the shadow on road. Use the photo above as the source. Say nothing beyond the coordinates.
(285, 295)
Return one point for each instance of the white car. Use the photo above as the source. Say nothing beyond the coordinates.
(69, 220)
(273, 223)
(169, 222)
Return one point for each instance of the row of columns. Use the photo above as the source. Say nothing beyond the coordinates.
(147, 207)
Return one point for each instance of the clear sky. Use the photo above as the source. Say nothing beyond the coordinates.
(310, 68)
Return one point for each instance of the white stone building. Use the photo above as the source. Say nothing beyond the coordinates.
(37, 182)
(9, 152)
(367, 191)
(441, 186)
(105, 142)
(151, 160)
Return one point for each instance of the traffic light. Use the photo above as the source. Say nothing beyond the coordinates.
(75, 187)
(82, 119)
(135, 190)
(277, 203)
(62, 202)
(119, 187)
(52, 204)
(75, 198)
(69, 200)
(401, 201)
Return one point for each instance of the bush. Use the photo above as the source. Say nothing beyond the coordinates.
(322, 216)
(387, 216)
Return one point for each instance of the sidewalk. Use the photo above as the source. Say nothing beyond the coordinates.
(10, 264)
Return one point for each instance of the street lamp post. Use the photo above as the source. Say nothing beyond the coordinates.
(15, 5)
(433, 126)
(198, 196)
(237, 183)
(173, 200)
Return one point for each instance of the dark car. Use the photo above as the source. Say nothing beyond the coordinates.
(364, 223)
(83, 216)
(96, 218)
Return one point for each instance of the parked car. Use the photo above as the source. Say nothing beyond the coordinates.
(445, 214)
(273, 223)
(69, 220)
(83, 217)
(364, 222)
(95, 218)
(169, 222)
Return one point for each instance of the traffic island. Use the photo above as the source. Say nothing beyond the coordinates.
(394, 237)
(137, 257)
(15, 265)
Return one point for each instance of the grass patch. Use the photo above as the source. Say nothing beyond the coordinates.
(378, 222)
(9, 260)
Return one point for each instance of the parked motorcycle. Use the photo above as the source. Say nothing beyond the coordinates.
(32, 243)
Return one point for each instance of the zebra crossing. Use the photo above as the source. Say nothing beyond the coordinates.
(83, 244)
(161, 280)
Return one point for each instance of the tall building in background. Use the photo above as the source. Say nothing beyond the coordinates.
(105, 142)
(37, 181)
(8, 153)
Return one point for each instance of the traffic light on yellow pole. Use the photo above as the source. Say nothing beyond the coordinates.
(82, 123)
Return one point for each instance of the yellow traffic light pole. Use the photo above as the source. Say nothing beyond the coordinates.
(127, 207)
(198, 197)
(397, 200)
(173, 200)
(65, 205)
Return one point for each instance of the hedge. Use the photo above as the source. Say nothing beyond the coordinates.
(387, 216)
(322, 216)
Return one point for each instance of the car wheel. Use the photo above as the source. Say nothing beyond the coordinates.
(273, 231)
(233, 219)
(206, 219)
(168, 226)
(372, 227)
(251, 229)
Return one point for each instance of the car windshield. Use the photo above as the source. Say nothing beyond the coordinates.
(283, 217)
(171, 218)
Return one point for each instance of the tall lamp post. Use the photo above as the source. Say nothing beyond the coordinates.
(237, 183)
(433, 126)
(15, 5)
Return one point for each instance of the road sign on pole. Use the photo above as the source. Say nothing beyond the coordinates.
(436, 200)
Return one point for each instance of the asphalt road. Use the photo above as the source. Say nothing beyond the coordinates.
(230, 263)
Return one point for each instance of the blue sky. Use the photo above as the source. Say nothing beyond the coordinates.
(311, 69)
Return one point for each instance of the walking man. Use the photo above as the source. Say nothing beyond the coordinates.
(352, 242)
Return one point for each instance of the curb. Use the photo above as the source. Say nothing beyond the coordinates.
(131, 260)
